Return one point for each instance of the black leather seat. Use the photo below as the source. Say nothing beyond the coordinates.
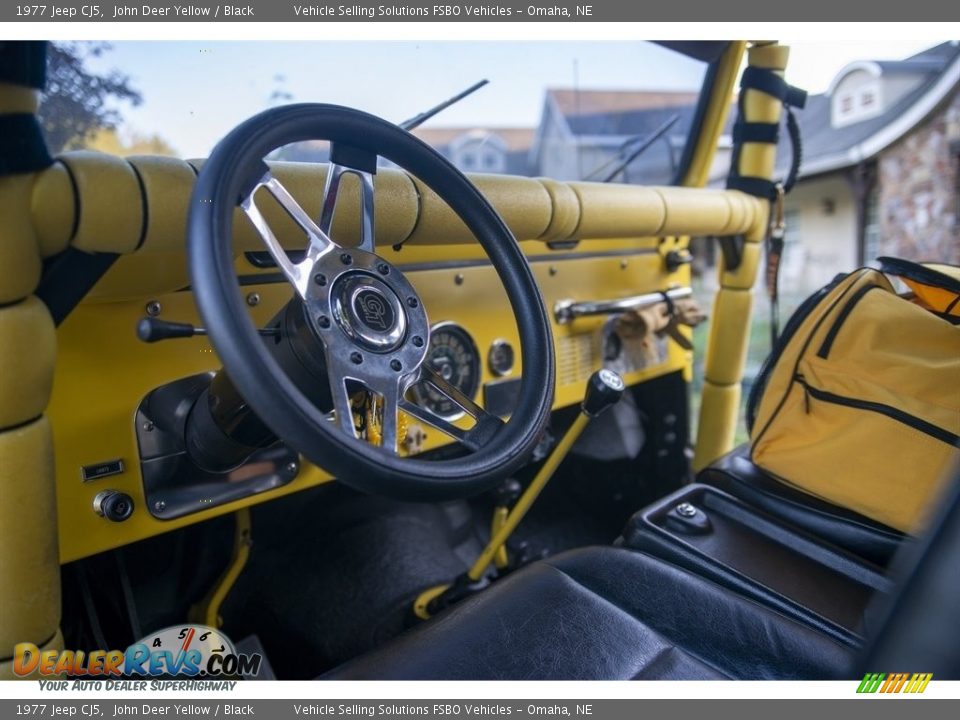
(736, 474)
(605, 613)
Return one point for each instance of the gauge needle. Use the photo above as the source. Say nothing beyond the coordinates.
(444, 365)
(187, 639)
(186, 645)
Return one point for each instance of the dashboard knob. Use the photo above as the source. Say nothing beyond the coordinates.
(113, 505)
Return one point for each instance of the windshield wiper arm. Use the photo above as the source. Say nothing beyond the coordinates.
(420, 119)
(639, 150)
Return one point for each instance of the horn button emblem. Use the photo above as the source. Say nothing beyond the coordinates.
(372, 310)
(369, 312)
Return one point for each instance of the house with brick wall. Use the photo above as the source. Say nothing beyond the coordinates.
(881, 168)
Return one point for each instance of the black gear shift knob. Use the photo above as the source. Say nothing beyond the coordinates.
(604, 388)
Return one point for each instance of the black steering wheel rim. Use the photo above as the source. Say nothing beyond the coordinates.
(227, 177)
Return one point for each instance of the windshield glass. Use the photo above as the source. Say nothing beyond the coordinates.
(564, 110)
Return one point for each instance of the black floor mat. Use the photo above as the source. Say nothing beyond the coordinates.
(333, 574)
(587, 502)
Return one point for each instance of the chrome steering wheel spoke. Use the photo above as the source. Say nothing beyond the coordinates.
(389, 394)
(319, 242)
(434, 421)
(342, 413)
(452, 392)
(386, 393)
(485, 424)
(331, 193)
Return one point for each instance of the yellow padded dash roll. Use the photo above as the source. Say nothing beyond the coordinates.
(27, 354)
(6, 666)
(20, 262)
(110, 215)
(29, 563)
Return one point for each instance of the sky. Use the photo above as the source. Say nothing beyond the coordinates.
(195, 92)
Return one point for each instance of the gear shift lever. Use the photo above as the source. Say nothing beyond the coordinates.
(604, 389)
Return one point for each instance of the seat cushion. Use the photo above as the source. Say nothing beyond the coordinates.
(736, 474)
(604, 613)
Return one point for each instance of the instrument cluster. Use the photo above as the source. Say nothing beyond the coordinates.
(453, 354)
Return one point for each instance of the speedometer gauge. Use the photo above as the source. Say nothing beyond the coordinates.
(453, 355)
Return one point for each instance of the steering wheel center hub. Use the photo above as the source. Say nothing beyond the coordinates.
(369, 312)
(372, 309)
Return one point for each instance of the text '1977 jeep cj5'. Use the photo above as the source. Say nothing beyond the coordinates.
(372, 417)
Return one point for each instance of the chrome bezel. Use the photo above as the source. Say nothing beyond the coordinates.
(501, 342)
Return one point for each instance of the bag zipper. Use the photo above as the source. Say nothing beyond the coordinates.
(774, 358)
(824, 350)
(789, 330)
(934, 431)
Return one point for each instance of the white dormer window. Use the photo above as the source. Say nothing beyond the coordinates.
(479, 151)
(468, 160)
(856, 94)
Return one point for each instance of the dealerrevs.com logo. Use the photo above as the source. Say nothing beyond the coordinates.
(890, 683)
(181, 650)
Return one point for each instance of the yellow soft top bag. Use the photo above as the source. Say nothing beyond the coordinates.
(859, 403)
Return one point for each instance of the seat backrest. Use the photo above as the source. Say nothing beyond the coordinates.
(917, 624)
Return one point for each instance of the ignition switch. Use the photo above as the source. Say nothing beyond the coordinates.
(113, 505)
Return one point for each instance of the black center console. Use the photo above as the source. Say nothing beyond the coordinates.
(718, 536)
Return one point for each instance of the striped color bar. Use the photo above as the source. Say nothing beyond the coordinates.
(894, 682)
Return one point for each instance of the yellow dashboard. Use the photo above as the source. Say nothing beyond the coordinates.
(585, 242)
(104, 371)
